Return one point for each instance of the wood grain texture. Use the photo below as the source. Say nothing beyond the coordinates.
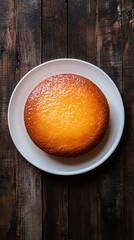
(83, 196)
(82, 30)
(20, 182)
(7, 153)
(98, 205)
(55, 207)
(110, 182)
(128, 97)
(54, 29)
(83, 210)
(55, 189)
(28, 178)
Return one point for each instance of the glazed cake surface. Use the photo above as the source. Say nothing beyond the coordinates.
(66, 115)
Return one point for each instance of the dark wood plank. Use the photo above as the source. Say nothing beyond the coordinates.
(7, 61)
(20, 182)
(28, 178)
(55, 189)
(55, 207)
(7, 153)
(128, 97)
(108, 29)
(83, 196)
(54, 29)
(82, 30)
(83, 210)
(8, 220)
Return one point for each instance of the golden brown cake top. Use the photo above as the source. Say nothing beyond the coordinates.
(66, 114)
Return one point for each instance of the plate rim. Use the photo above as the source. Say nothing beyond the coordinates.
(99, 162)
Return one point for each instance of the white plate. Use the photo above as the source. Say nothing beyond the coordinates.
(58, 165)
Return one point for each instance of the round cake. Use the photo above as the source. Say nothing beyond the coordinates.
(66, 115)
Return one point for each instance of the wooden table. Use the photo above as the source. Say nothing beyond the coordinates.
(98, 205)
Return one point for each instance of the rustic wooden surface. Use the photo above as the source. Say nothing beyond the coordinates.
(98, 205)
